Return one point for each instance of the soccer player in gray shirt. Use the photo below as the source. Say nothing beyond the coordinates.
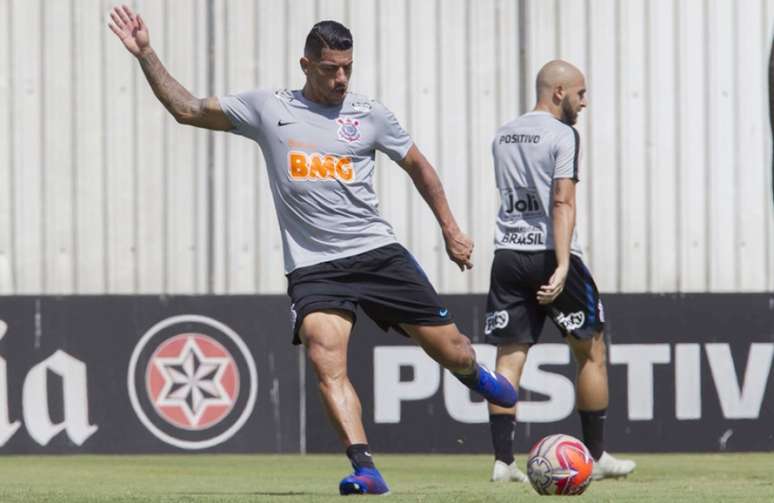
(319, 143)
(537, 270)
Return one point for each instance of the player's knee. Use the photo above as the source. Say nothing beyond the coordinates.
(592, 351)
(326, 359)
(329, 372)
(599, 349)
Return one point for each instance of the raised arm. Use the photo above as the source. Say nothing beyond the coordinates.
(459, 247)
(184, 107)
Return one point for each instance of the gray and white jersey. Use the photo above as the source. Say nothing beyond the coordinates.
(529, 153)
(320, 162)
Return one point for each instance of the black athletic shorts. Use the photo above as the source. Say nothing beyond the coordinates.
(513, 312)
(387, 283)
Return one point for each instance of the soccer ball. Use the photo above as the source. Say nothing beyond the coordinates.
(559, 464)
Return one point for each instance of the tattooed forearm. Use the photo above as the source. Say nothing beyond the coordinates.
(178, 100)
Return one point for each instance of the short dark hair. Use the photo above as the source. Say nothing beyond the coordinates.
(327, 34)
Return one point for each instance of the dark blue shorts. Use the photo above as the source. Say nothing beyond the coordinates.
(513, 312)
(387, 283)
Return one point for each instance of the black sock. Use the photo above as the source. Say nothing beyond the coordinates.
(359, 456)
(468, 380)
(503, 428)
(593, 425)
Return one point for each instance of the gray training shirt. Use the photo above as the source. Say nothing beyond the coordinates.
(529, 153)
(320, 161)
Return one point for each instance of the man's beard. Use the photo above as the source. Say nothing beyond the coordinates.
(569, 116)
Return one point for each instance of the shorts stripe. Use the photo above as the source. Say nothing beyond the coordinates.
(591, 304)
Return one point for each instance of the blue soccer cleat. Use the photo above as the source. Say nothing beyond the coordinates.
(491, 385)
(363, 481)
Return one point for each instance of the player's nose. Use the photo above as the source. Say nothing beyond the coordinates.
(341, 78)
(342, 84)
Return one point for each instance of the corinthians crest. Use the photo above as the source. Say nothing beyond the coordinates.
(349, 129)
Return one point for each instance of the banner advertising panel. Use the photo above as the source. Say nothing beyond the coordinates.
(686, 373)
(145, 374)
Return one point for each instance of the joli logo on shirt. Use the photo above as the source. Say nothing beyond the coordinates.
(303, 166)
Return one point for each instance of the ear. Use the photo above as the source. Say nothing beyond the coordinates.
(304, 62)
(558, 95)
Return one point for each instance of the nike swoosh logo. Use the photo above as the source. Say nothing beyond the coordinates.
(285, 123)
(443, 312)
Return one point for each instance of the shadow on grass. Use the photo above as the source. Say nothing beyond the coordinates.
(256, 493)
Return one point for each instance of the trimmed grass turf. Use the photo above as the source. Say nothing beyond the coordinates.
(314, 478)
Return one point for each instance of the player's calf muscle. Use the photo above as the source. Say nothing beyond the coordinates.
(457, 354)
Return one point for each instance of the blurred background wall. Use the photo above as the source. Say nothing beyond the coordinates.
(102, 192)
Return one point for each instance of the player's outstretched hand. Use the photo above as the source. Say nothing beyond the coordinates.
(130, 29)
(459, 247)
(549, 292)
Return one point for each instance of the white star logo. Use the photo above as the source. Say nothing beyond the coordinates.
(192, 382)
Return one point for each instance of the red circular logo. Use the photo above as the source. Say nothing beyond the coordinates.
(192, 381)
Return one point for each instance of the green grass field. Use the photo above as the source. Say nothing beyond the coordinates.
(314, 478)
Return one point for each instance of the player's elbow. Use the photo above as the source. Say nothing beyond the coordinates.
(564, 205)
(189, 114)
(184, 118)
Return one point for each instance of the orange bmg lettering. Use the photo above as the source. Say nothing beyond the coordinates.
(303, 166)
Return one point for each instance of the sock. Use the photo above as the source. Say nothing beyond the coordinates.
(359, 456)
(503, 429)
(593, 425)
(469, 380)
